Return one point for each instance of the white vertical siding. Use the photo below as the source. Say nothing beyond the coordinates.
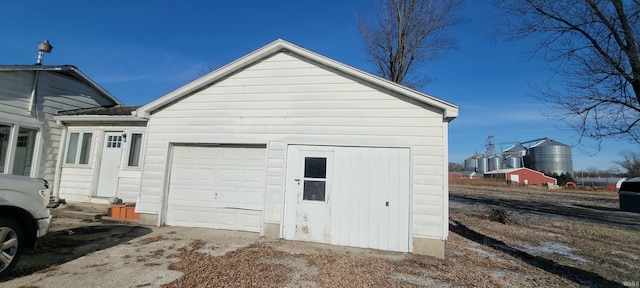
(284, 99)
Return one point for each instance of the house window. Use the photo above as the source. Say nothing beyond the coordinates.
(19, 159)
(25, 148)
(134, 150)
(5, 131)
(315, 179)
(79, 148)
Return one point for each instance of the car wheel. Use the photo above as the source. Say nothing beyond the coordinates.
(11, 244)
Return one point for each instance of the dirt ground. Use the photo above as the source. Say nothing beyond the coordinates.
(499, 237)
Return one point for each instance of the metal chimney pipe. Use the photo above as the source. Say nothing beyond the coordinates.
(43, 47)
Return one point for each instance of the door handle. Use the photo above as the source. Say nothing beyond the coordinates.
(386, 203)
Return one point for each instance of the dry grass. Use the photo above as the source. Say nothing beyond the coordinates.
(579, 236)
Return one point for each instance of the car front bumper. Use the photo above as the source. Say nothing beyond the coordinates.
(43, 226)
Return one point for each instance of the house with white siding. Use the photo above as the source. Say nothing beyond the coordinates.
(289, 144)
(101, 156)
(30, 97)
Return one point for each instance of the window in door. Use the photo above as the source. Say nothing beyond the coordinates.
(114, 141)
(315, 179)
(25, 148)
(134, 150)
(79, 148)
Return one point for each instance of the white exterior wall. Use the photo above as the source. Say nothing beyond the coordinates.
(78, 183)
(284, 100)
(54, 93)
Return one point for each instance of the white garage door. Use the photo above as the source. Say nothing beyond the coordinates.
(349, 196)
(217, 187)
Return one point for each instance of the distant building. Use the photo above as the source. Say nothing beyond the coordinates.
(611, 184)
(522, 176)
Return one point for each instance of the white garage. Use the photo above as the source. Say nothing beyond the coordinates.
(329, 154)
(216, 187)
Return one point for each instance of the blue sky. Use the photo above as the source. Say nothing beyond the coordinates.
(141, 50)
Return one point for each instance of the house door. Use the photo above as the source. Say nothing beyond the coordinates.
(110, 165)
(310, 171)
(349, 196)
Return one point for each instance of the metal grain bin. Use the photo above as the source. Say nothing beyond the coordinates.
(515, 150)
(495, 162)
(512, 161)
(630, 195)
(550, 156)
(483, 164)
(471, 163)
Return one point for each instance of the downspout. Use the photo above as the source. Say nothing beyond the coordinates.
(58, 170)
(445, 170)
(32, 102)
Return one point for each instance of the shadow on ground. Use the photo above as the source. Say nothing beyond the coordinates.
(69, 244)
(576, 275)
(594, 214)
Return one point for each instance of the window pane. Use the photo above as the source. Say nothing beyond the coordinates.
(72, 148)
(313, 190)
(134, 150)
(85, 150)
(315, 167)
(25, 148)
(4, 145)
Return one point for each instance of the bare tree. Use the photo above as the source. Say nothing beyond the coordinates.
(455, 167)
(630, 162)
(595, 44)
(408, 34)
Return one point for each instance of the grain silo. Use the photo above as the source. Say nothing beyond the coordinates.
(471, 163)
(495, 162)
(515, 150)
(483, 165)
(513, 156)
(550, 156)
(511, 161)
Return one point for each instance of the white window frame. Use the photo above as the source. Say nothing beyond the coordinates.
(14, 131)
(90, 152)
(128, 141)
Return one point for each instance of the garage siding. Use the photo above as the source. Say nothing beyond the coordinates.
(286, 100)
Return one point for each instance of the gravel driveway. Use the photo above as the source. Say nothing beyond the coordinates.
(108, 254)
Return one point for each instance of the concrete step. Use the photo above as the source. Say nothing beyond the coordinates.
(85, 211)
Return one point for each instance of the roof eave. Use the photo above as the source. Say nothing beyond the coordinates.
(96, 86)
(98, 118)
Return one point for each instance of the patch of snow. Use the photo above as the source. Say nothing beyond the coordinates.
(482, 252)
(557, 248)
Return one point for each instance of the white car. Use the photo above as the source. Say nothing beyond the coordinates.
(24, 216)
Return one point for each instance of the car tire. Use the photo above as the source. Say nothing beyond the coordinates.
(11, 244)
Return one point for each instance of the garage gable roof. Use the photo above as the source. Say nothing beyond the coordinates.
(449, 110)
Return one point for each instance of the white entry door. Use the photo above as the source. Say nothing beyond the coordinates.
(311, 172)
(366, 196)
(110, 164)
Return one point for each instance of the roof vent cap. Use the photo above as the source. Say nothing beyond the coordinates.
(43, 47)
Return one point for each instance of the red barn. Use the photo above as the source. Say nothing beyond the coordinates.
(521, 175)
